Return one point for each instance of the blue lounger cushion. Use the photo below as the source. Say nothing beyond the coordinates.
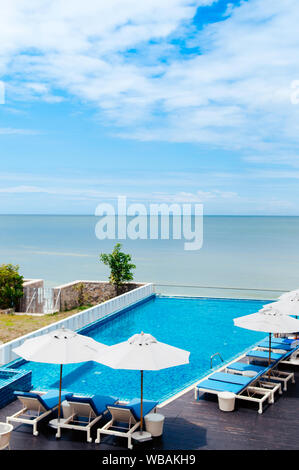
(98, 403)
(134, 406)
(264, 355)
(218, 386)
(49, 400)
(284, 340)
(243, 367)
(231, 378)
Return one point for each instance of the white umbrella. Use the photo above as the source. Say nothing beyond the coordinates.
(269, 320)
(60, 346)
(286, 306)
(143, 352)
(291, 295)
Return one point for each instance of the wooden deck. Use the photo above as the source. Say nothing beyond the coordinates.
(189, 425)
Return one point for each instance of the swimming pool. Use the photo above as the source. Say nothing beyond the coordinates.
(202, 326)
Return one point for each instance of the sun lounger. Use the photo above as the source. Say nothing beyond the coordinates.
(264, 355)
(292, 359)
(230, 378)
(36, 406)
(258, 380)
(244, 367)
(267, 373)
(293, 341)
(280, 376)
(243, 391)
(125, 419)
(85, 412)
(274, 346)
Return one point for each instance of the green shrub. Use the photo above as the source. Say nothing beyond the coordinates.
(120, 266)
(11, 286)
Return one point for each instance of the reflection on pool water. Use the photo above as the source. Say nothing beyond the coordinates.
(199, 325)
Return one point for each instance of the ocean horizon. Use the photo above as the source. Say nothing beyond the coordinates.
(250, 253)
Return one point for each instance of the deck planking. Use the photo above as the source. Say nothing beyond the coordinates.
(189, 425)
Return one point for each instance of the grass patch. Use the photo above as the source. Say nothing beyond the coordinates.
(13, 326)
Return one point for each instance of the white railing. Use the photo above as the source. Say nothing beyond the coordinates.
(81, 319)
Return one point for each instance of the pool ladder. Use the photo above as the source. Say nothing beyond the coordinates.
(212, 357)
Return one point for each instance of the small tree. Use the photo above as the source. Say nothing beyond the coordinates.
(11, 286)
(120, 266)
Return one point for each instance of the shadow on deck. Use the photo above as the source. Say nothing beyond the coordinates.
(189, 425)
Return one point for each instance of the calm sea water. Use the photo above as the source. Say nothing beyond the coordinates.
(185, 323)
(246, 252)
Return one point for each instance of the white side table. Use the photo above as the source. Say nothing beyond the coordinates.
(5, 432)
(154, 423)
(226, 401)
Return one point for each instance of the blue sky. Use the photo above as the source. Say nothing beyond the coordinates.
(174, 101)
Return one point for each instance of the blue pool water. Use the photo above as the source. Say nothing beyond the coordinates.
(201, 326)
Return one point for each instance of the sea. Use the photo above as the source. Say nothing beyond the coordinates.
(241, 256)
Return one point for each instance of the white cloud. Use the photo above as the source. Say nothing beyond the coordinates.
(234, 93)
(69, 197)
(13, 131)
(92, 194)
(198, 196)
(285, 158)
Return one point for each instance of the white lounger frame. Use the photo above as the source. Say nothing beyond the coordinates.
(272, 386)
(292, 360)
(120, 415)
(281, 376)
(79, 410)
(276, 374)
(267, 388)
(259, 382)
(31, 413)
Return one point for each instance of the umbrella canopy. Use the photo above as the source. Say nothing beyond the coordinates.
(291, 295)
(143, 352)
(60, 346)
(288, 303)
(285, 306)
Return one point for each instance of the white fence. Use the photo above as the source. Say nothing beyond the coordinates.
(78, 320)
(40, 300)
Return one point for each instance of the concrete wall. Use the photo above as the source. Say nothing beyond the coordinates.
(68, 296)
(88, 292)
(33, 283)
(28, 287)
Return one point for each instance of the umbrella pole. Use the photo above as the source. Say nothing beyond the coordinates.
(141, 404)
(60, 384)
(269, 372)
(141, 435)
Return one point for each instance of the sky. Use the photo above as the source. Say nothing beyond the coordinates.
(173, 101)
